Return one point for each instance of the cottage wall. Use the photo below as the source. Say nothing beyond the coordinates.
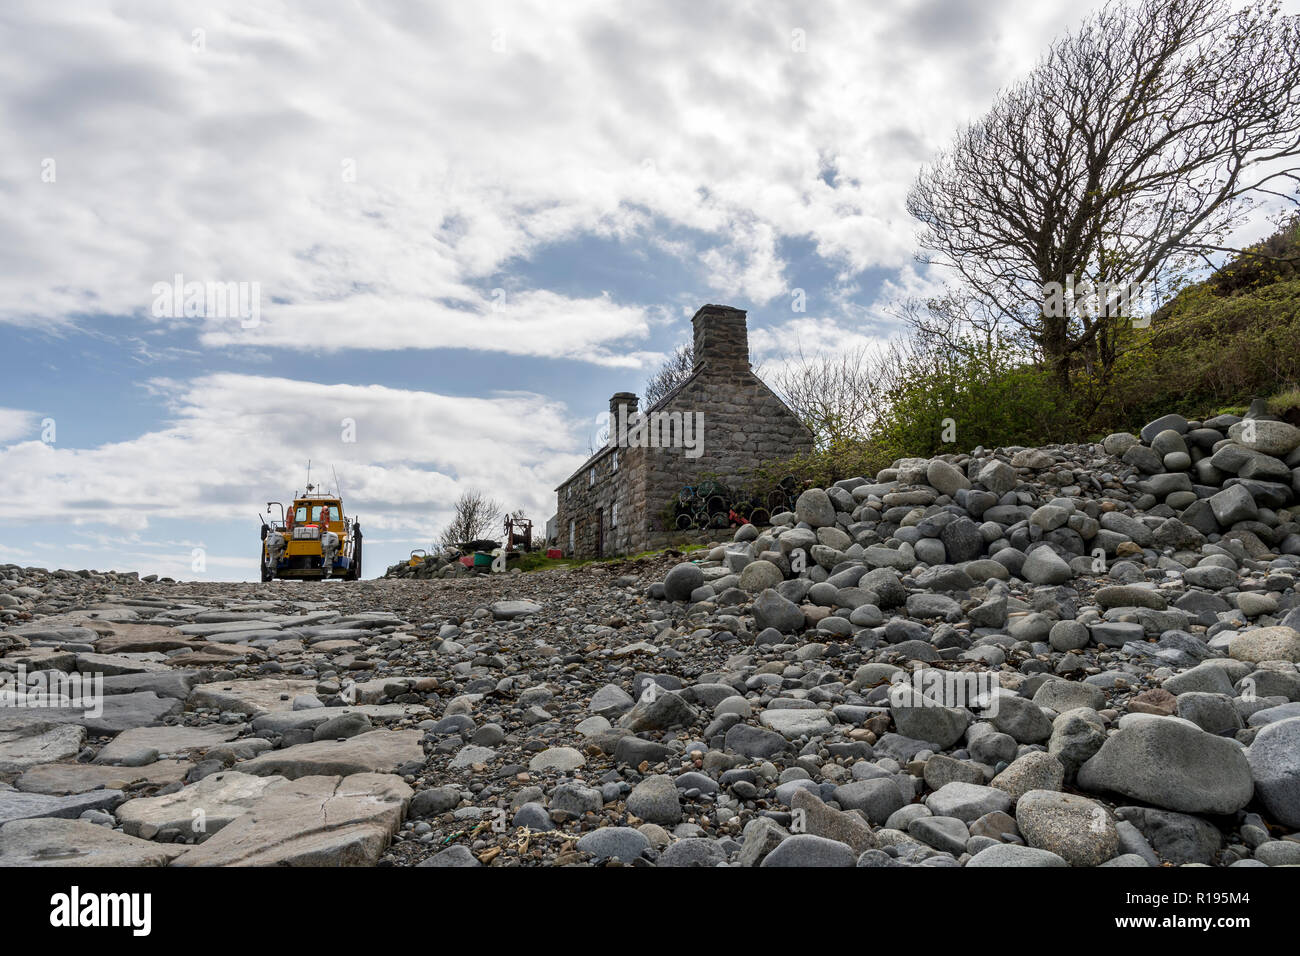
(592, 519)
(745, 424)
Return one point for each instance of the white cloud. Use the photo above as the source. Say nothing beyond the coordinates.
(13, 555)
(236, 441)
(16, 423)
(531, 323)
(227, 164)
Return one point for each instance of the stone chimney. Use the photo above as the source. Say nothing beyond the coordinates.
(629, 402)
(721, 339)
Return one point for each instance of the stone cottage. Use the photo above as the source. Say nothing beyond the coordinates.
(720, 421)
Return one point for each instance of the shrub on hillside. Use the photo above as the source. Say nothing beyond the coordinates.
(976, 394)
(1208, 352)
(940, 398)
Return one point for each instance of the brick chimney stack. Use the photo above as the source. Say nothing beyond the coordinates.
(721, 338)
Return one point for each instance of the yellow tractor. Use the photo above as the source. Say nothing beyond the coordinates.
(312, 540)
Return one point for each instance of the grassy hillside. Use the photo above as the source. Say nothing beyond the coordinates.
(1210, 351)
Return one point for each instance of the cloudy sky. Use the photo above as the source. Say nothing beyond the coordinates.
(468, 225)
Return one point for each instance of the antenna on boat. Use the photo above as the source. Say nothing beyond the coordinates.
(338, 487)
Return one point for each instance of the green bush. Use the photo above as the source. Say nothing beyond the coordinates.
(1287, 400)
(943, 399)
(821, 468)
(976, 396)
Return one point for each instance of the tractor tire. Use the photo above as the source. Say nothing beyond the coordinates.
(266, 572)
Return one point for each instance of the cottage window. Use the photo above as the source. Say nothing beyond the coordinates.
(614, 465)
(591, 477)
(613, 515)
(572, 537)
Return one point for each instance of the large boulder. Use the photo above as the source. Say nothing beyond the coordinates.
(1076, 829)
(759, 576)
(923, 719)
(216, 800)
(55, 842)
(655, 800)
(998, 477)
(947, 478)
(1266, 644)
(1152, 429)
(815, 508)
(1170, 763)
(681, 581)
(1272, 438)
(1233, 504)
(379, 751)
(1009, 854)
(1275, 762)
(773, 610)
(967, 801)
(805, 849)
(1045, 566)
(311, 821)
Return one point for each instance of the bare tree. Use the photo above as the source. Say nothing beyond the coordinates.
(475, 517)
(1133, 149)
(836, 394)
(954, 320)
(672, 373)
